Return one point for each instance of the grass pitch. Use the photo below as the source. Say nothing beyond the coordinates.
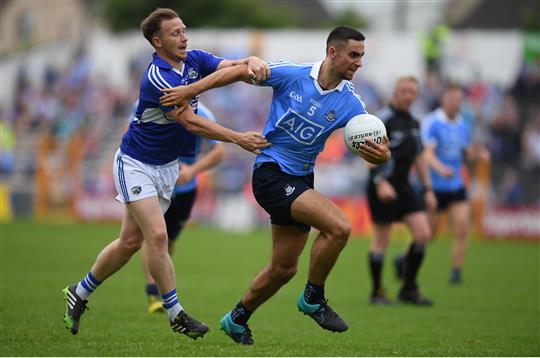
(495, 312)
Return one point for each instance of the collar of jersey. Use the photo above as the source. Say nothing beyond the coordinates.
(161, 63)
(315, 73)
(441, 114)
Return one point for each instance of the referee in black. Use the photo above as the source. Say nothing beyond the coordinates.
(391, 197)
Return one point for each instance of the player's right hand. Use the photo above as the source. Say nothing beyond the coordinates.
(252, 142)
(386, 192)
(176, 96)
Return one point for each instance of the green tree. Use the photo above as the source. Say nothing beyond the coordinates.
(122, 15)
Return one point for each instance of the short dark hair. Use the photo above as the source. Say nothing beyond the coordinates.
(452, 86)
(152, 23)
(343, 34)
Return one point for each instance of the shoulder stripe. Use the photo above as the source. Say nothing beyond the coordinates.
(157, 78)
(153, 80)
(360, 100)
(162, 79)
(150, 78)
(285, 64)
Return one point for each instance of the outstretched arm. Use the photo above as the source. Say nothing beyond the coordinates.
(258, 69)
(250, 141)
(179, 95)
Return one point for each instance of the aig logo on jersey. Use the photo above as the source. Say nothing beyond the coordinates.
(300, 128)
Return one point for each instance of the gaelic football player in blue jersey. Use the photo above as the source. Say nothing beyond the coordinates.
(146, 165)
(310, 101)
(448, 139)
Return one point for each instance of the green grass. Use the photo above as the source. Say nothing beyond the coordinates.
(494, 313)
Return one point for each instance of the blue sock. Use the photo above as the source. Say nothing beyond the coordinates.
(152, 290)
(171, 304)
(313, 293)
(87, 286)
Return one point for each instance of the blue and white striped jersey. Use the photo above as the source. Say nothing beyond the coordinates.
(450, 138)
(303, 115)
(153, 137)
(205, 112)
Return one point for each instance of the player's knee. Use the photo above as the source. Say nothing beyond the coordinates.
(283, 274)
(462, 233)
(422, 237)
(131, 245)
(158, 240)
(341, 232)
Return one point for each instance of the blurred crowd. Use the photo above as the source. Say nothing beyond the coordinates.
(69, 101)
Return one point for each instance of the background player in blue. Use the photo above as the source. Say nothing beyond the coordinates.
(309, 103)
(146, 166)
(447, 139)
(183, 198)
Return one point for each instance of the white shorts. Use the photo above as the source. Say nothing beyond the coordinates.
(135, 180)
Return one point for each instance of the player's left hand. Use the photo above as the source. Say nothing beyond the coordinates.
(375, 153)
(176, 96)
(186, 174)
(258, 69)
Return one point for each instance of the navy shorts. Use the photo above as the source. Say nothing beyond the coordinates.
(276, 190)
(446, 198)
(408, 201)
(179, 212)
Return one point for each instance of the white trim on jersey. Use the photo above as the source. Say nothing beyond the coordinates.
(148, 75)
(283, 64)
(360, 99)
(155, 79)
(159, 74)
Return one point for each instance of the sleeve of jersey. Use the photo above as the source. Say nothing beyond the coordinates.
(207, 61)
(281, 73)
(431, 134)
(156, 79)
(354, 106)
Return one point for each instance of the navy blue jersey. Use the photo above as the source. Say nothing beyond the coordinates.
(153, 137)
(303, 115)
